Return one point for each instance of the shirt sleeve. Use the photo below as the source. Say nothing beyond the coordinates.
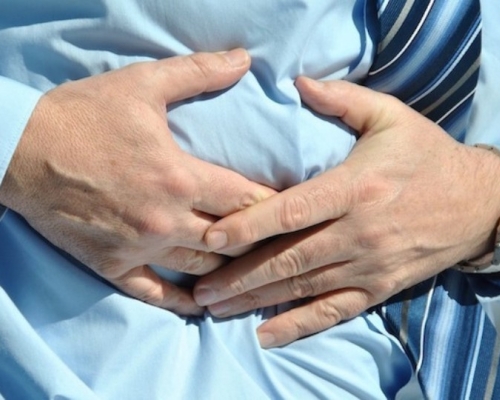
(17, 102)
(485, 118)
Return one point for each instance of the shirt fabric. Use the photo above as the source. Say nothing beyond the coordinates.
(64, 331)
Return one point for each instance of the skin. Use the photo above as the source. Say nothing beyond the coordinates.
(98, 173)
(407, 203)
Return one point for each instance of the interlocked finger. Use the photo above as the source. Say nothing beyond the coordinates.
(313, 283)
(321, 313)
(143, 284)
(221, 191)
(194, 262)
(289, 256)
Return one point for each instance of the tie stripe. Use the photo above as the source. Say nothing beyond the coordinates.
(395, 21)
(428, 56)
(450, 341)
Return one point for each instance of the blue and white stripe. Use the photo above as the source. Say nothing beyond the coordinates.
(452, 344)
(428, 56)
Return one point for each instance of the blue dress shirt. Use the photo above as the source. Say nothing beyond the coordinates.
(63, 330)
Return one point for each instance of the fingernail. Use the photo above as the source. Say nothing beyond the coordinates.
(237, 57)
(216, 240)
(266, 339)
(204, 296)
(220, 309)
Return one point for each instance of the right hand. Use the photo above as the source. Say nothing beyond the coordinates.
(98, 173)
(407, 203)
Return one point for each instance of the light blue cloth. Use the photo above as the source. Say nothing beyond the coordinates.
(63, 331)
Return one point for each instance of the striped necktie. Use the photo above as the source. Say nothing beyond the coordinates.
(450, 341)
(428, 57)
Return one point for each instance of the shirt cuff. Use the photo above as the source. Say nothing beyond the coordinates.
(17, 102)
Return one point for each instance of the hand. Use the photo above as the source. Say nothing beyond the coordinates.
(98, 173)
(408, 202)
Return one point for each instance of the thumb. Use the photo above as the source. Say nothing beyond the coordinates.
(361, 108)
(187, 76)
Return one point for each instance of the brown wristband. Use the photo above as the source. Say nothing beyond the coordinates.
(490, 262)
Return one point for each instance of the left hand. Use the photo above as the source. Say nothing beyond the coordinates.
(407, 203)
(98, 173)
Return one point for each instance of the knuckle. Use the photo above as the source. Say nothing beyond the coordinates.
(388, 286)
(149, 293)
(236, 287)
(179, 183)
(152, 295)
(391, 107)
(372, 187)
(155, 225)
(248, 231)
(110, 269)
(294, 214)
(137, 75)
(252, 195)
(248, 199)
(252, 301)
(328, 312)
(199, 67)
(286, 264)
(300, 329)
(301, 287)
(371, 238)
(194, 263)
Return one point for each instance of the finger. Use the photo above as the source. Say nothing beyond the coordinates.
(221, 191)
(187, 233)
(187, 76)
(327, 279)
(286, 257)
(321, 313)
(361, 108)
(240, 251)
(189, 261)
(323, 198)
(143, 284)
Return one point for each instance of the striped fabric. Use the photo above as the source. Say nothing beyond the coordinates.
(428, 56)
(451, 343)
